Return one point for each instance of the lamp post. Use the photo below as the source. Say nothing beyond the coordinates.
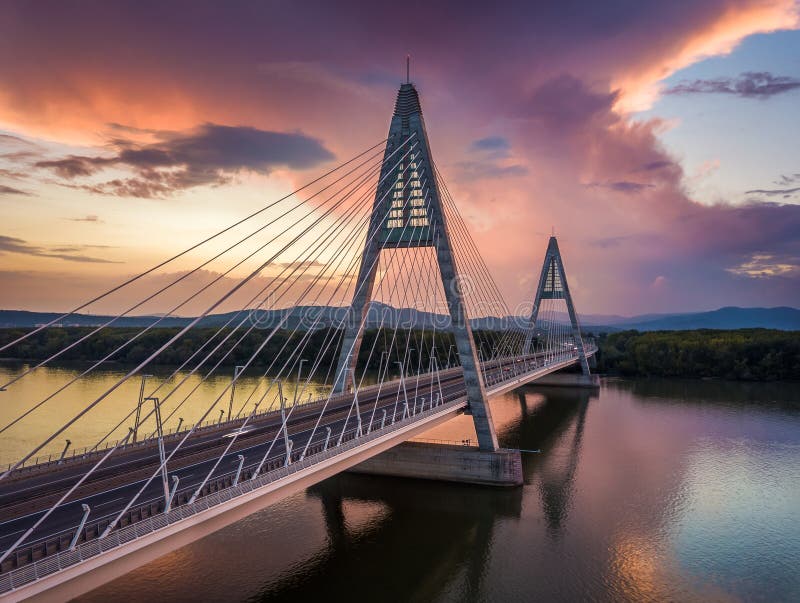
(64, 452)
(173, 492)
(239, 469)
(77, 535)
(359, 431)
(286, 441)
(403, 385)
(161, 453)
(380, 387)
(297, 384)
(237, 370)
(139, 407)
(380, 364)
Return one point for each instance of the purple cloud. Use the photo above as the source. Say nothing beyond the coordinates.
(210, 154)
(10, 190)
(752, 84)
(70, 253)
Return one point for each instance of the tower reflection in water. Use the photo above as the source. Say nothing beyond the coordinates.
(654, 491)
(366, 538)
(430, 540)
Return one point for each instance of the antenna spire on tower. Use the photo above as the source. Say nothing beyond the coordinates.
(408, 69)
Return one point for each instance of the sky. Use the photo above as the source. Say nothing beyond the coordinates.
(659, 140)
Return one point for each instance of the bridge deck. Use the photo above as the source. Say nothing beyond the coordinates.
(151, 532)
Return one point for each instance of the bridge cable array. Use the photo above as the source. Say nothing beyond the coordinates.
(288, 311)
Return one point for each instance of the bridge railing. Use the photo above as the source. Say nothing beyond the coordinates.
(88, 453)
(514, 368)
(62, 560)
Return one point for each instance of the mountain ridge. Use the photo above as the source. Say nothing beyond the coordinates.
(729, 317)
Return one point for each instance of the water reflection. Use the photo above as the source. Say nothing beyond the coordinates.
(556, 428)
(650, 492)
(765, 396)
(454, 546)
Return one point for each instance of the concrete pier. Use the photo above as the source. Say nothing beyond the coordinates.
(447, 462)
(568, 380)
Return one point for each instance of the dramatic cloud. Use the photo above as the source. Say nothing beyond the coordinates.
(14, 149)
(493, 161)
(10, 190)
(752, 84)
(69, 253)
(479, 170)
(492, 144)
(623, 186)
(767, 265)
(788, 179)
(91, 218)
(534, 131)
(208, 155)
(774, 191)
(656, 165)
(73, 166)
(9, 140)
(566, 103)
(12, 174)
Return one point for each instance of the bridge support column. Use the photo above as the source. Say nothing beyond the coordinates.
(447, 462)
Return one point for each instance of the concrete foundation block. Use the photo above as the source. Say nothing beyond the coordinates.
(447, 462)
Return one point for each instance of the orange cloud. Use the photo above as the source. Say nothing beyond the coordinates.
(639, 83)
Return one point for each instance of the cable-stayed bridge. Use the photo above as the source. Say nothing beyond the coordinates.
(379, 230)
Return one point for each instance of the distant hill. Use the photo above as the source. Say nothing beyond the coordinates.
(308, 316)
(783, 318)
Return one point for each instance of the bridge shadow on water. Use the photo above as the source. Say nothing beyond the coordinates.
(434, 540)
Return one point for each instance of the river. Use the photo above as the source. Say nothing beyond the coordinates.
(645, 491)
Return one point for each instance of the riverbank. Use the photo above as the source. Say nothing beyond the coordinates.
(734, 355)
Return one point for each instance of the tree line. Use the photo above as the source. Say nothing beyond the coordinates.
(740, 354)
(124, 345)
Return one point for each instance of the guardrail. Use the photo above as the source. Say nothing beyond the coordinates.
(86, 453)
(61, 560)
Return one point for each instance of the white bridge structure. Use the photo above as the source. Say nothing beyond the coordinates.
(422, 336)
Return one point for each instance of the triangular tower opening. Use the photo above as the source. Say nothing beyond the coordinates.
(556, 329)
(407, 213)
(406, 193)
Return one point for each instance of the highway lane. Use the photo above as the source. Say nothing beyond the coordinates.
(58, 478)
(252, 445)
(110, 502)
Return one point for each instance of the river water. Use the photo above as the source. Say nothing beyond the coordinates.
(645, 491)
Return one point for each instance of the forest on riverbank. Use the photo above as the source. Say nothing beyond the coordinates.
(740, 354)
(229, 347)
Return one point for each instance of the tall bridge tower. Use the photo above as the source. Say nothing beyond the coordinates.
(407, 213)
(553, 285)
